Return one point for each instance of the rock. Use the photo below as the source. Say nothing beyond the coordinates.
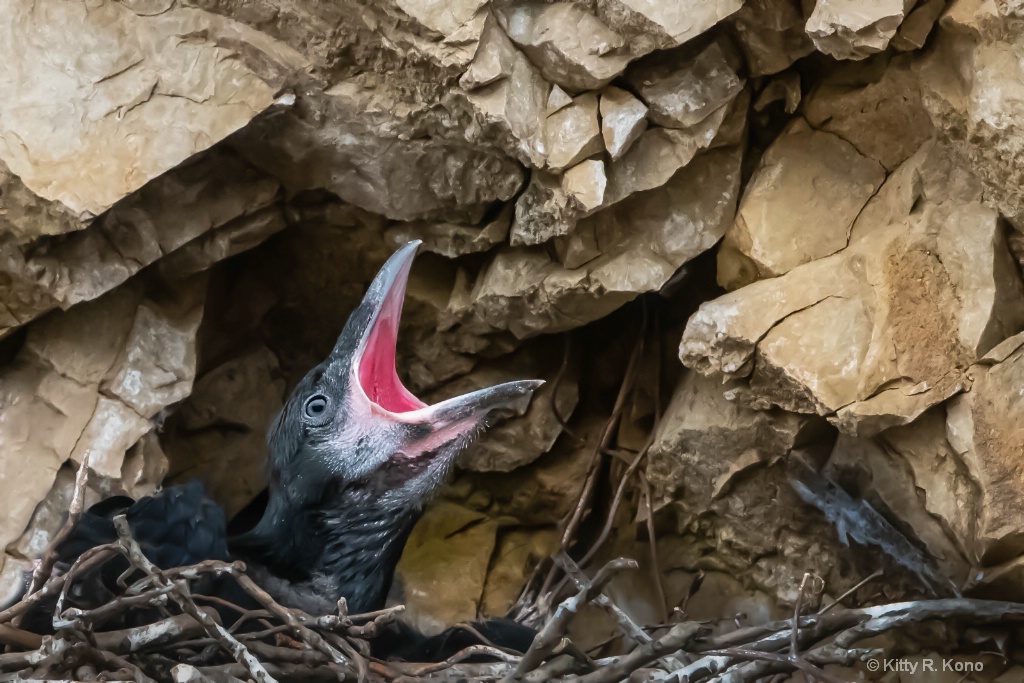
(356, 141)
(517, 553)
(138, 100)
(584, 184)
(914, 30)
(881, 331)
(771, 35)
(65, 392)
(684, 97)
(219, 434)
(883, 99)
(971, 80)
(982, 430)
(666, 24)
(444, 567)
(528, 293)
(623, 120)
(849, 29)
(890, 486)
(571, 47)
(939, 476)
(518, 441)
(799, 205)
(452, 239)
(539, 495)
(542, 211)
(783, 88)
(515, 99)
(443, 17)
(704, 441)
(136, 232)
(572, 133)
(241, 234)
(557, 99)
(657, 155)
(495, 57)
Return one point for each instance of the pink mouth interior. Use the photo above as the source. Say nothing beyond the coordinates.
(377, 373)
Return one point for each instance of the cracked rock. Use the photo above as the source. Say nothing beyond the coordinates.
(527, 292)
(571, 47)
(852, 29)
(623, 120)
(572, 133)
(799, 205)
(879, 332)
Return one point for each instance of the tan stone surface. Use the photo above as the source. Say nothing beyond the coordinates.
(799, 205)
(851, 29)
(136, 101)
(877, 333)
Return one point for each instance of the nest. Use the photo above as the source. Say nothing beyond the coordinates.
(188, 642)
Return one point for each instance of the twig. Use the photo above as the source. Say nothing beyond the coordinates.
(75, 509)
(678, 638)
(556, 626)
(307, 635)
(181, 596)
(856, 587)
(794, 644)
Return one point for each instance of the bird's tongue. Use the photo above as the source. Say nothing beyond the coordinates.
(378, 375)
(455, 419)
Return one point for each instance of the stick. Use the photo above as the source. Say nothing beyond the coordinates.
(180, 595)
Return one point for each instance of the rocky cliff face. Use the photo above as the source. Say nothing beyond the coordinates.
(786, 234)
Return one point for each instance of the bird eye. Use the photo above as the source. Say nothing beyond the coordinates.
(315, 406)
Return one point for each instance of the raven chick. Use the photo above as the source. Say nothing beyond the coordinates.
(352, 458)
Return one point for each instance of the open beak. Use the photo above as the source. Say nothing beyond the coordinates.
(376, 377)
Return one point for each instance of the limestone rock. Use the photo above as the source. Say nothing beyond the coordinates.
(136, 232)
(914, 30)
(981, 428)
(799, 205)
(355, 141)
(876, 334)
(850, 29)
(65, 392)
(528, 293)
(444, 567)
(542, 211)
(541, 494)
(684, 97)
(517, 553)
(623, 120)
(572, 133)
(875, 107)
(972, 83)
(444, 17)
(520, 440)
(891, 486)
(657, 155)
(557, 99)
(495, 57)
(452, 239)
(704, 441)
(665, 24)
(584, 184)
(571, 47)
(219, 433)
(771, 34)
(139, 100)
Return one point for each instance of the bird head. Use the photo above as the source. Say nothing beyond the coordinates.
(351, 423)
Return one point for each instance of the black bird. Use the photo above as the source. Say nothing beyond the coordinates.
(352, 458)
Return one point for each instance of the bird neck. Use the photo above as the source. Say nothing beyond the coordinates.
(339, 550)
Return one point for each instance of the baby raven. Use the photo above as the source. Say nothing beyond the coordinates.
(353, 457)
